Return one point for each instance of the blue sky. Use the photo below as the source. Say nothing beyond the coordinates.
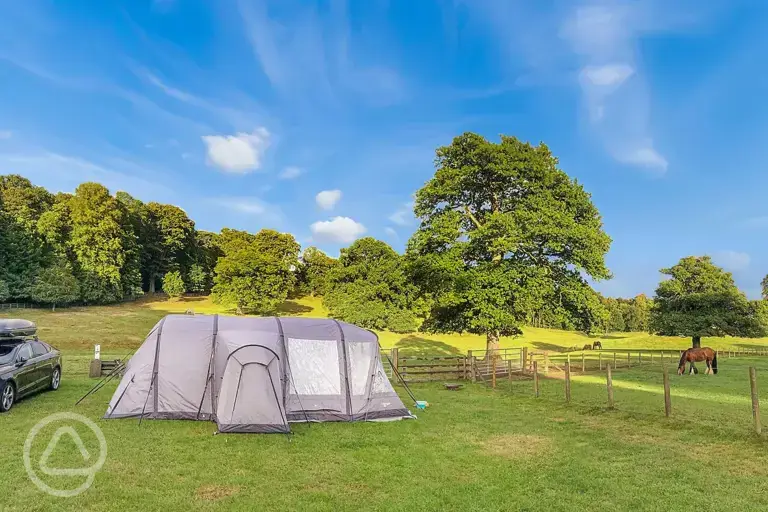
(321, 118)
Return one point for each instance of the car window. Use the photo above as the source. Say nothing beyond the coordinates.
(24, 352)
(7, 354)
(38, 349)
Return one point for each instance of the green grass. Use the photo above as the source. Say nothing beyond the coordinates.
(475, 449)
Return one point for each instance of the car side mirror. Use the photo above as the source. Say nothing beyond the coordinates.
(19, 364)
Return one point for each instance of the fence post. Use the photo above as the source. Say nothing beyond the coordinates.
(600, 360)
(667, 396)
(662, 358)
(609, 383)
(524, 359)
(493, 370)
(395, 359)
(568, 382)
(471, 366)
(755, 399)
(629, 359)
(614, 359)
(464, 372)
(640, 357)
(583, 367)
(651, 357)
(536, 378)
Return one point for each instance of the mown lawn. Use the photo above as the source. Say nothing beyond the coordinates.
(475, 449)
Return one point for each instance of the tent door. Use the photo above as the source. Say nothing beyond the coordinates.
(250, 399)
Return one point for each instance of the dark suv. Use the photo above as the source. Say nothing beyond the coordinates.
(26, 366)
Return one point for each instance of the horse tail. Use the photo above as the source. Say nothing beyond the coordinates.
(682, 359)
(714, 363)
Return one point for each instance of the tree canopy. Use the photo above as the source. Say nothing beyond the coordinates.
(701, 299)
(370, 287)
(505, 233)
(256, 271)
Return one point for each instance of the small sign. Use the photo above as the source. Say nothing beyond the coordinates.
(97, 354)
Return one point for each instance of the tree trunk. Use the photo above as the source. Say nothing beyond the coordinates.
(152, 283)
(491, 342)
(53, 308)
(697, 342)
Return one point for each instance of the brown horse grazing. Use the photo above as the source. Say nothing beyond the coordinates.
(693, 355)
(587, 347)
(597, 345)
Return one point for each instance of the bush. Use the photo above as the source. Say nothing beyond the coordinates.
(173, 284)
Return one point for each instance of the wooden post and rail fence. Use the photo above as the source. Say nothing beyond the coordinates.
(489, 367)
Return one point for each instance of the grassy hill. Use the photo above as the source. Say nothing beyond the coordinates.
(124, 326)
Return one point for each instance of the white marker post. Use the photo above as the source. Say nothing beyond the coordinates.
(97, 352)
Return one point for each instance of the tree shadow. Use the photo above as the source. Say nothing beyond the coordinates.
(415, 345)
(551, 346)
(608, 337)
(290, 307)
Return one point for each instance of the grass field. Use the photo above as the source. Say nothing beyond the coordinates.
(475, 449)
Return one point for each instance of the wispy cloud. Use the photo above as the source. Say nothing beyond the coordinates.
(605, 37)
(732, 260)
(290, 173)
(391, 232)
(404, 215)
(307, 55)
(250, 206)
(64, 173)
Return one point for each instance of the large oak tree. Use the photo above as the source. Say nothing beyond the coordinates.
(504, 233)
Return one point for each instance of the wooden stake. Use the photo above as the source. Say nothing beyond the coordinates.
(629, 360)
(471, 366)
(609, 383)
(614, 359)
(493, 369)
(667, 396)
(524, 359)
(536, 378)
(755, 400)
(568, 382)
(583, 367)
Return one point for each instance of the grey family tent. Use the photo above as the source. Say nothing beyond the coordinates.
(256, 374)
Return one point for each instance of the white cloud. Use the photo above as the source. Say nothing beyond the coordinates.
(290, 173)
(403, 216)
(609, 75)
(239, 153)
(339, 229)
(327, 199)
(391, 232)
(5, 134)
(732, 260)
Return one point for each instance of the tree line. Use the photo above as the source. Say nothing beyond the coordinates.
(506, 239)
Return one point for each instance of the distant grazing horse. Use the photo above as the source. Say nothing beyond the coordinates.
(693, 355)
(587, 347)
(597, 345)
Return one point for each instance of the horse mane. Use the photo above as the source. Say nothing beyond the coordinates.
(682, 358)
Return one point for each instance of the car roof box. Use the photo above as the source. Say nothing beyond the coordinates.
(16, 329)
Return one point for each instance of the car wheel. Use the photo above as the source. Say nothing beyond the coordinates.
(55, 379)
(7, 397)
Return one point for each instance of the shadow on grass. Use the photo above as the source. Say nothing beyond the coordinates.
(540, 345)
(290, 307)
(415, 345)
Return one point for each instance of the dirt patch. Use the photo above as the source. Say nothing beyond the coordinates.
(516, 446)
(215, 492)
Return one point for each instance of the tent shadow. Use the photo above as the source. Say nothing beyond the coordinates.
(416, 345)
